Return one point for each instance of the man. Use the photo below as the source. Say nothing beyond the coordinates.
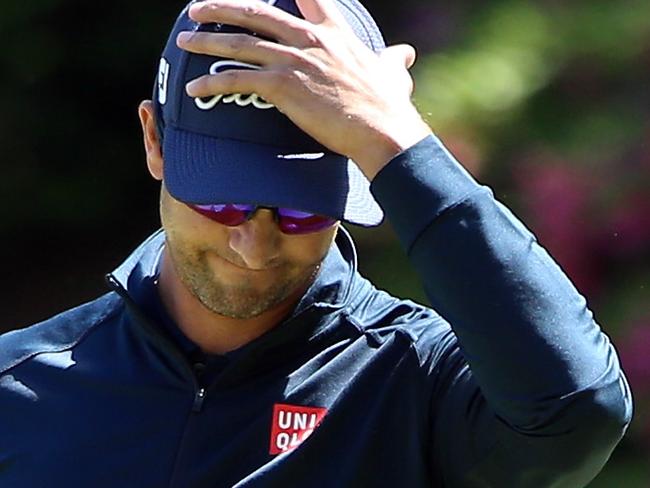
(239, 347)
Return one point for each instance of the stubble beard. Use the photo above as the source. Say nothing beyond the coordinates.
(242, 300)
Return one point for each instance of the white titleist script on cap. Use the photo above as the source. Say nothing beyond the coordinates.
(240, 99)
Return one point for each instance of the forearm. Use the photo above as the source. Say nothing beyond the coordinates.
(524, 329)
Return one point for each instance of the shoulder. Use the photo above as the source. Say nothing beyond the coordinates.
(59, 333)
(383, 316)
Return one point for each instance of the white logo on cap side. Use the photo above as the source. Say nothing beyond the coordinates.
(240, 99)
(312, 156)
(163, 81)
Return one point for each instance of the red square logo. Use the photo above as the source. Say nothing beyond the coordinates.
(292, 424)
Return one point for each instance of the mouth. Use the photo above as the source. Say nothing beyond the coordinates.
(242, 267)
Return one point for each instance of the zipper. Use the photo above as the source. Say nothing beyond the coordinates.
(194, 371)
(199, 397)
(200, 391)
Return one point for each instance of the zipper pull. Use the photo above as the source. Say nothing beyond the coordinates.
(199, 397)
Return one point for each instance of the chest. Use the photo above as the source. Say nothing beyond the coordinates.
(350, 415)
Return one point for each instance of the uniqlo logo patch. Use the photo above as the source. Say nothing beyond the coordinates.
(292, 424)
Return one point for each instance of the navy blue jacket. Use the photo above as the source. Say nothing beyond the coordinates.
(515, 387)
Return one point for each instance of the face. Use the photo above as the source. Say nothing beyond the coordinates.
(243, 271)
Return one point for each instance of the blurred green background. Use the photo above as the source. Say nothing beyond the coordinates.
(546, 101)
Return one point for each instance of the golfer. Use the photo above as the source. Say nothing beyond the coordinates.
(240, 347)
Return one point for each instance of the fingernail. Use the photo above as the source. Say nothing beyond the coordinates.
(183, 37)
(194, 7)
(191, 87)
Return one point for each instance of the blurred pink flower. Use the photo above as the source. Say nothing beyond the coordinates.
(557, 201)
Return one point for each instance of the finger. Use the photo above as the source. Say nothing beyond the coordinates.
(232, 81)
(321, 11)
(402, 54)
(242, 47)
(255, 16)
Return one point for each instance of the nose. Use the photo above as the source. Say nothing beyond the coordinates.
(257, 241)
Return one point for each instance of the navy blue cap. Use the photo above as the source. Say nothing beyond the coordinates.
(238, 148)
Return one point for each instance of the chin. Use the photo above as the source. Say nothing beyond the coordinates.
(241, 309)
(242, 300)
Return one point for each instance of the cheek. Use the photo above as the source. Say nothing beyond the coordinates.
(311, 249)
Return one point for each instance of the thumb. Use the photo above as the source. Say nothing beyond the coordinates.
(402, 54)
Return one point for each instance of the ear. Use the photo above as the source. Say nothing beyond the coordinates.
(151, 141)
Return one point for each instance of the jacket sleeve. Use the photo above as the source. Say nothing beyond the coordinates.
(529, 391)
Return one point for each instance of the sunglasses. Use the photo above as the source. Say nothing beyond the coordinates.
(289, 220)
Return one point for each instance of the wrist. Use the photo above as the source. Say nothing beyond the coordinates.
(384, 145)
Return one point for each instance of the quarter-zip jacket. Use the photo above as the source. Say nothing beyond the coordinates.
(508, 383)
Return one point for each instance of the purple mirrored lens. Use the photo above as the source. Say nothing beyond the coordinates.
(219, 207)
(226, 214)
(294, 214)
(290, 221)
(298, 222)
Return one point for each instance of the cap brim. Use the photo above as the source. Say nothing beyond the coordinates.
(202, 169)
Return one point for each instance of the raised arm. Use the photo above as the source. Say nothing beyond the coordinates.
(543, 401)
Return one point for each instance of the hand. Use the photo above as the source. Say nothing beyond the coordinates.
(317, 72)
